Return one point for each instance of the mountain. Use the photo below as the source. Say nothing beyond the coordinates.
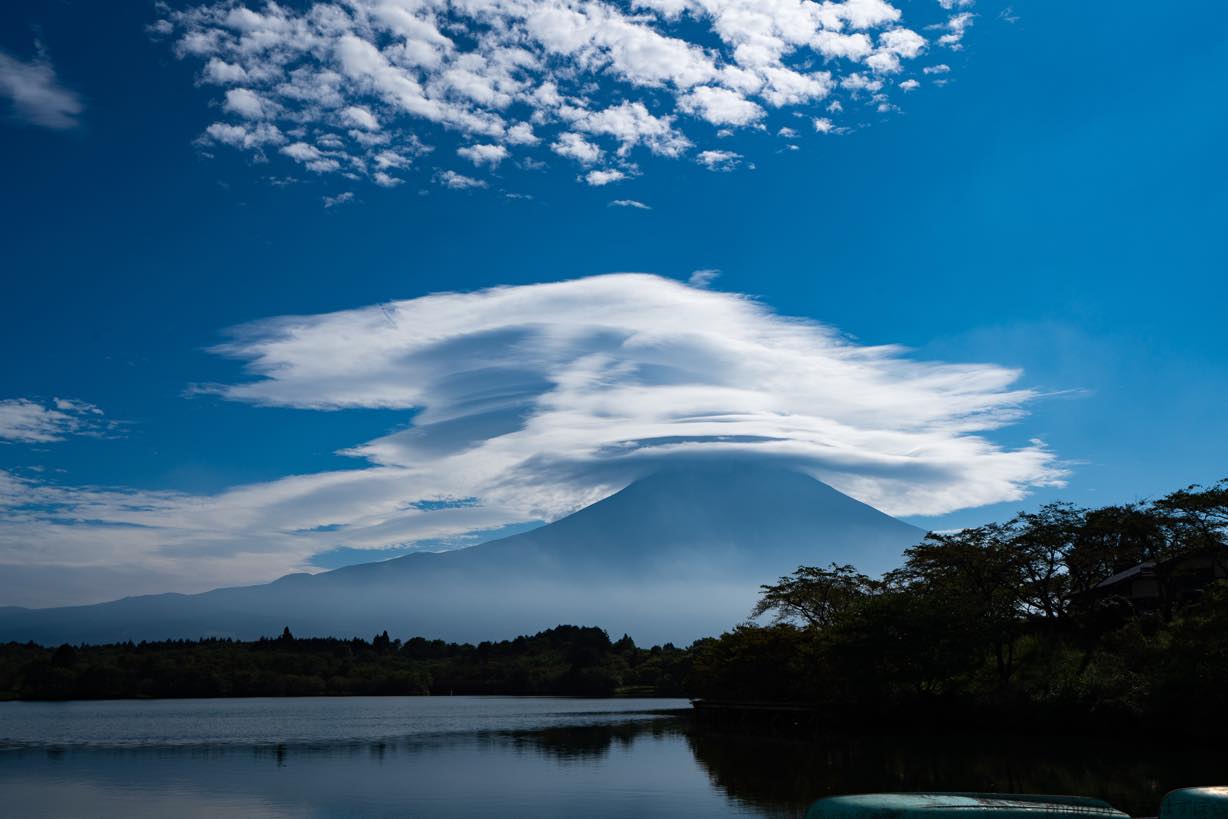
(674, 556)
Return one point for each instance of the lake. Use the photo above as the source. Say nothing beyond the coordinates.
(509, 757)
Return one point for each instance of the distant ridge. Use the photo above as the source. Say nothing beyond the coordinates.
(672, 557)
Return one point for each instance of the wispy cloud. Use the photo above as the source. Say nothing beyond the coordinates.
(534, 77)
(459, 182)
(36, 93)
(704, 277)
(629, 203)
(26, 421)
(340, 199)
(719, 160)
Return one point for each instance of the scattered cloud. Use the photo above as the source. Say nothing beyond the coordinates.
(533, 400)
(36, 94)
(28, 421)
(629, 203)
(339, 199)
(489, 155)
(574, 146)
(704, 277)
(956, 27)
(941, 68)
(605, 177)
(458, 182)
(719, 160)
(525, 79)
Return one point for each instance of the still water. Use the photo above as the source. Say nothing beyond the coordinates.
(508, 757)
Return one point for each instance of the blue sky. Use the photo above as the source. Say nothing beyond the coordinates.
(1056, 206)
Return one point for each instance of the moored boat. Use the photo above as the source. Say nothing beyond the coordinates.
(960, 806)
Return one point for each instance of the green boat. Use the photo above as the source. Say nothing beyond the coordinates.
(1187, 803)
(960, 806)
(1195, 803)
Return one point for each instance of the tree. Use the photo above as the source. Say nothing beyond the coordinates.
(973, 578)
(815, 597)
(1196, 516)
(1044, 541)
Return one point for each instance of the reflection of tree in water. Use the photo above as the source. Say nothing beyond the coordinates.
(584, 743)
(786, 775)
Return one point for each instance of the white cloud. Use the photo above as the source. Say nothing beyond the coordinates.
(536, 400)
(719, 160)
(629, 203)
(458, 182)
(574, 146)
(360, 117)
(35, 93)
(245, 103)
(704, 277)
(378, 75)
(856, 82)
(720, 106)
(312, 157)
(479, 155)
(941, 68)
(631, 124)
(910, 85)
(253, 137)
(339, 199)
(522, 134)
(26, 421)
(576, 373)
(957, 26)
(604, 177)
(220, 72)
(823, 125)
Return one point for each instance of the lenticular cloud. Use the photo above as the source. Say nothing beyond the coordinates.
(543, 397)
(359, 88)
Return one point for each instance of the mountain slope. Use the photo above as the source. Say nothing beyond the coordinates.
(673, 556)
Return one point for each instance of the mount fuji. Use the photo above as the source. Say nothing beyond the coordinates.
(674, 556)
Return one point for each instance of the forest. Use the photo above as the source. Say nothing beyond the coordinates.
(1113, 617)
(562, 660)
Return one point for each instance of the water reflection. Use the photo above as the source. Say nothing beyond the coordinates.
(637, 764)
(773, 773)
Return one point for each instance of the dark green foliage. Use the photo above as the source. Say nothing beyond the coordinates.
(563, 660)
(1005, 624)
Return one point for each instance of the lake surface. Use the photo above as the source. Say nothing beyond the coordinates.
(509, 757)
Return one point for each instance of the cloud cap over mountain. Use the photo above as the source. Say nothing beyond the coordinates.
(549, 395)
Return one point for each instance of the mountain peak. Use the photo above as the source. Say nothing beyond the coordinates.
(675, 555)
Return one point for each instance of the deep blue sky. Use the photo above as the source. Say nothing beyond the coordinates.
(1059, 206)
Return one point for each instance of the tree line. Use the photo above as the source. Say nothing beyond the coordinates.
(1107, 617)
(562, 660)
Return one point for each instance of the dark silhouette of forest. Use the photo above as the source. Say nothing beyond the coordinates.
(1112, 618)
(1071, 618)
(563, 660)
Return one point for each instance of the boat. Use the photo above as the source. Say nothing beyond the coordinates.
(1186, 803)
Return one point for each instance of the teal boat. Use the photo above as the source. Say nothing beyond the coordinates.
(960, 806)
(1187, 803)
(1195, 803)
